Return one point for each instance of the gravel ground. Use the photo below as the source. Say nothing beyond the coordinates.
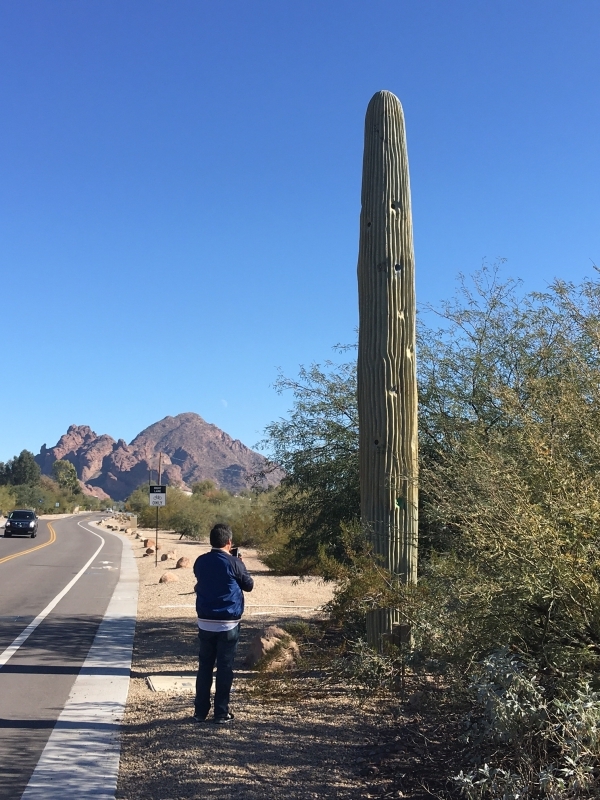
(309, 743)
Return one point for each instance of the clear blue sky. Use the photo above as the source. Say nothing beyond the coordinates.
(180, 187)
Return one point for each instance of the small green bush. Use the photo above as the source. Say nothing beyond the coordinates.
(550, 746)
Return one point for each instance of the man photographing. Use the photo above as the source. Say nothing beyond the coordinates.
(222, 580)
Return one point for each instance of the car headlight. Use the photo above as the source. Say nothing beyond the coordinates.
(32, 524)
(8, 522)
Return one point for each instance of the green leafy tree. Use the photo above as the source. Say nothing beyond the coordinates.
(28, 496)
(23, 470)
(7, 499)
(317, 446)
(65, 475)
(203, 487)
(511, 466)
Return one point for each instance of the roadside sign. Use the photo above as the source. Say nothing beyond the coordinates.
(158, 495)
(56, 505)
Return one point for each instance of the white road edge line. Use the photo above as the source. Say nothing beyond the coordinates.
(82, 755)
(7, 654)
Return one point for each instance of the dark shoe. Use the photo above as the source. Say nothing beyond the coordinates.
(223, 720)
(197, 718)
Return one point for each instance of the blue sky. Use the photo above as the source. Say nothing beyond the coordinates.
(180, 187)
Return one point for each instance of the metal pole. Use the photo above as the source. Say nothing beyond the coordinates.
(156, 543)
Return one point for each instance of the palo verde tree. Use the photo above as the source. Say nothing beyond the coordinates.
(510, 421)
(317, 446)
(65, 475)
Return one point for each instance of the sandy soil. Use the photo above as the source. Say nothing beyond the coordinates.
(311, 744)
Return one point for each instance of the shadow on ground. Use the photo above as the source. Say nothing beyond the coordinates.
(310, 746)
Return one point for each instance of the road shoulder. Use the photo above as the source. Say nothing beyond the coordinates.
(300, 744)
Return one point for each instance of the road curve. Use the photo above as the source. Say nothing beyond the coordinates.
(37, 678)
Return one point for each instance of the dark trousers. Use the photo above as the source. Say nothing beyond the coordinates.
(219, 647)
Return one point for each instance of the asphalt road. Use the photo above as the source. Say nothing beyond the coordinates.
(35, 682)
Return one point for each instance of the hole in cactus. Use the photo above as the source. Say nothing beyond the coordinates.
(376, 441)
(398, 267)
(368, 224)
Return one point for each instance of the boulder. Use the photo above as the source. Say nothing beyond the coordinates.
(148, 542)
(183, 563)
(168, 577)
(273, 649)
(286, 658)
(149, 551)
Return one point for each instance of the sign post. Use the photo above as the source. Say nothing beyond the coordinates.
(158, 498)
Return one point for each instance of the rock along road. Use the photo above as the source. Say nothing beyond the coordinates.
(67, 616)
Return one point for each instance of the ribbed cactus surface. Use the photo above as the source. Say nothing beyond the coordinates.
(387, 385)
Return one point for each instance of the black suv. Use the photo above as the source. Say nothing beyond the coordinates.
(24, 522)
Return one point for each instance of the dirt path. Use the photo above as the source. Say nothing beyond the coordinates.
(309, 745)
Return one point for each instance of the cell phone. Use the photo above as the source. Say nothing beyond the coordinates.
(235, 552)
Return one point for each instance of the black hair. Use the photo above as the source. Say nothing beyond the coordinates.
(220, 535)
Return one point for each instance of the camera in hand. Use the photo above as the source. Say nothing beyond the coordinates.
(235, 552)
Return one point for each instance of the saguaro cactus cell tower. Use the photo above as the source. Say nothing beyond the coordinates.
(387, 382)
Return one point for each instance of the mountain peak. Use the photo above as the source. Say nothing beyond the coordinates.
(192, 450)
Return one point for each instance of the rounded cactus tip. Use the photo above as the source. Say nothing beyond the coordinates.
(385, 99)
(385, 93)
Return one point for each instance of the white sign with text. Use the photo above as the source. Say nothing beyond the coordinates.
(158, 495)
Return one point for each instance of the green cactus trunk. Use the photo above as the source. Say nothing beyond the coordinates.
(387, 382)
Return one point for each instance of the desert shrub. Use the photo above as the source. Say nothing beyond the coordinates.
(250, 515)
(251, 518)
(509, 549)
(7, 499)
(187, 515)
(370, 670)
(549, 745)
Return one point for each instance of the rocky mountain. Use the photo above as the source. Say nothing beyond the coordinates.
(192, 450)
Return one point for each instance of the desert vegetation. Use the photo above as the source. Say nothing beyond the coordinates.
(250, 514)
(505, 619)
(23, 486)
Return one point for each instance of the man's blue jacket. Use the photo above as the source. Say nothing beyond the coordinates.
(222, 581)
